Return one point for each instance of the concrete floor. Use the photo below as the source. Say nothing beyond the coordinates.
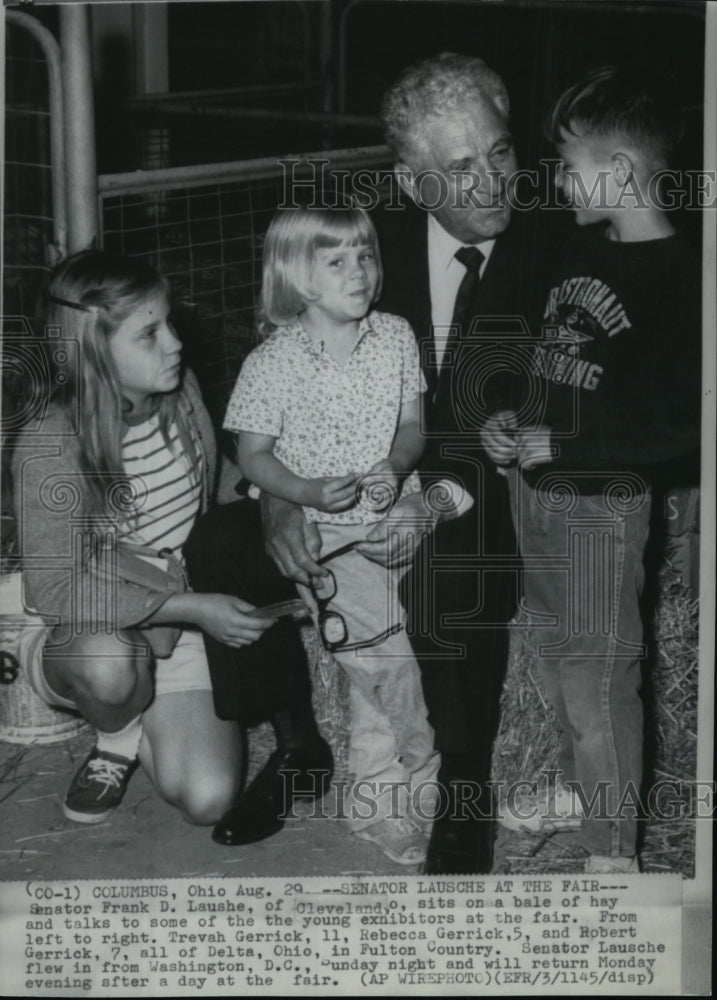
(146, 837)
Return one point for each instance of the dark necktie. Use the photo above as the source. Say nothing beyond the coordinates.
(471, 258)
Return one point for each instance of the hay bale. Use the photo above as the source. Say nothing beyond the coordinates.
(528, 738)
(330, 688)
(671, 724)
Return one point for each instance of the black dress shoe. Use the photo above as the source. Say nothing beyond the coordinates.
(287, 777)
(460, 843)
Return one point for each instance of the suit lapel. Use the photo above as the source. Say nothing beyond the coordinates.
(403, 240)
(494, 295)
(502, 290)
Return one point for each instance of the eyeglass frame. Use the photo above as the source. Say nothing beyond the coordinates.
(322, 613)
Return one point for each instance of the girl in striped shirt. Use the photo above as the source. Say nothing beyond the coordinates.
(107, 489)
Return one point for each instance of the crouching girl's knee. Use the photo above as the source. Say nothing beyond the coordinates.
(205, 806)
(116, 684)
(110, 670)
(201, 803)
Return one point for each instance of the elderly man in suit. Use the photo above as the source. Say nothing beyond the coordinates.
(459, 268)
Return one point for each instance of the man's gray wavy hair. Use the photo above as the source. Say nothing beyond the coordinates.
(436, 86)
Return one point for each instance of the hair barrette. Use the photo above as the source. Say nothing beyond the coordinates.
(72, 305)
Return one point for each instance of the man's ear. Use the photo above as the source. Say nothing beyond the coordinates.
(622, 167)
(404, 176)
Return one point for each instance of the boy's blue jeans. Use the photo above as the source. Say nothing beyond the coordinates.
(582, 580)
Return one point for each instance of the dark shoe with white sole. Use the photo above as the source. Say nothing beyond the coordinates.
(97, 788)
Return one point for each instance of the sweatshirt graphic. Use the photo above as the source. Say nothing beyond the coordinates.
(618, 360)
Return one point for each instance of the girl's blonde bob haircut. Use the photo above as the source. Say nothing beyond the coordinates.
(293, 237)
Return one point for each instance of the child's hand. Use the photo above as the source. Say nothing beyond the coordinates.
(228, 619)
(393, 540)
(498, 437)
(534, 447)
(383, 469)
(331, 493)
(378, 488)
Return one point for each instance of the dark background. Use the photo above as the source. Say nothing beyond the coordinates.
(539, 48)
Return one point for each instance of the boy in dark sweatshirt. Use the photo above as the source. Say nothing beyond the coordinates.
(616, 377)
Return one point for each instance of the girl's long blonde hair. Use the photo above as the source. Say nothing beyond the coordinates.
(88, 297)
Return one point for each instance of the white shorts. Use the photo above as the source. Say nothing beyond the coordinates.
(185, 670)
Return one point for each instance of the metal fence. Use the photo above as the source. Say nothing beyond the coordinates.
(34, 230)
(203, 228)
(34, 216)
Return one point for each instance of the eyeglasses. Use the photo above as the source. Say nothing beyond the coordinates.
(332, 624)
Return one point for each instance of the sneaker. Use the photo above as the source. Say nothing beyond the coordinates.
(600, 864)
(98, 787)
(553, 809)
(399, 840)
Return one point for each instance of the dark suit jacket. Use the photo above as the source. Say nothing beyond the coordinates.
(513, 285)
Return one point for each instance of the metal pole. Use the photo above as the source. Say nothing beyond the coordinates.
(327, 63)
(151, 57)
(80, 161)
(48, 43)
(343, 12)
(250, 90)
(332, 118)
(171, 178)
(151, 48)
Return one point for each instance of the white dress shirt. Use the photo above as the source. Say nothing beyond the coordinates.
(445, 275)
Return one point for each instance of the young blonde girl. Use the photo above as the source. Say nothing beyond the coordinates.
(106, 493)
(327, 410)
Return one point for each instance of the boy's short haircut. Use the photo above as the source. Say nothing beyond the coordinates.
(615, 103)
(293, 237)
